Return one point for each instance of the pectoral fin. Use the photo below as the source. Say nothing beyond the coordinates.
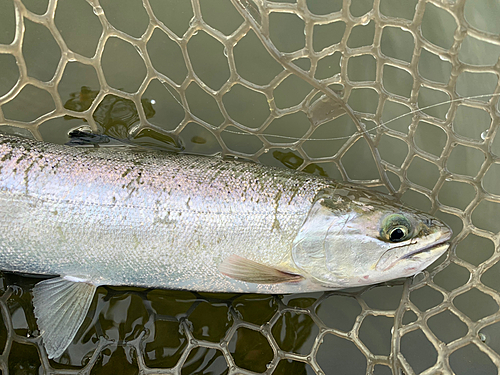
(60, 308)
(243, 269)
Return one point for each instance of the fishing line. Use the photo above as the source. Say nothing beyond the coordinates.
(344, 137)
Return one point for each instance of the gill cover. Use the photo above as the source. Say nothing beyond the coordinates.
(311, 249)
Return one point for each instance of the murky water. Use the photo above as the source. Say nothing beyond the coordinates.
(161, 324)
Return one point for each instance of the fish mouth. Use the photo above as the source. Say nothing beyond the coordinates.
(443, 242)
(390, 258)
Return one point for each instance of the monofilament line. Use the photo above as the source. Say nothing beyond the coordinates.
(349, 136)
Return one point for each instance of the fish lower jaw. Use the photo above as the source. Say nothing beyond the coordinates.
(440, 244)
(430, 251)
(424, 258)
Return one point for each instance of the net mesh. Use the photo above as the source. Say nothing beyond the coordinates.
(399, 96)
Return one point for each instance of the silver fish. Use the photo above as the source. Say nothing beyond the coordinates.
(94, 217)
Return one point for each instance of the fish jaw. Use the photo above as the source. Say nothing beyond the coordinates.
(425, 258)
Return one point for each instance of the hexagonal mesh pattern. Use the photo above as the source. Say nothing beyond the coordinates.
(400, 96)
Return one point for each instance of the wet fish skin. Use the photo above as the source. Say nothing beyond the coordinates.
(145, 219)
(94, 217)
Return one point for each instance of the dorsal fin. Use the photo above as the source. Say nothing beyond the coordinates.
(243, 269)
(60, 308)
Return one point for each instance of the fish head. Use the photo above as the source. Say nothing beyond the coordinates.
(354, 237)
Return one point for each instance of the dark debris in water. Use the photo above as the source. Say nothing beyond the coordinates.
(115, 115)
(116, 118)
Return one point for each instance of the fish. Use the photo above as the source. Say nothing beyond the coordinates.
(90, 216)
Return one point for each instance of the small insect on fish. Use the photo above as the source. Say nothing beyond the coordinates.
(91, 217)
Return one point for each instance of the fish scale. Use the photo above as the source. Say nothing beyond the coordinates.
(145, 219)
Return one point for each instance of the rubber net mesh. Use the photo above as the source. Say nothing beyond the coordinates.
(396, 95)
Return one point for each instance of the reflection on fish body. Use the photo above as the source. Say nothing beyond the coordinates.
(94, 217)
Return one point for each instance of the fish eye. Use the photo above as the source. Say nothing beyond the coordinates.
(397, 234)
(396, 228)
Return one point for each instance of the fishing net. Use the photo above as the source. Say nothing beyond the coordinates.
(396, 95)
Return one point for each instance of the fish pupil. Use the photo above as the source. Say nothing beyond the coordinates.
(397, 234)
